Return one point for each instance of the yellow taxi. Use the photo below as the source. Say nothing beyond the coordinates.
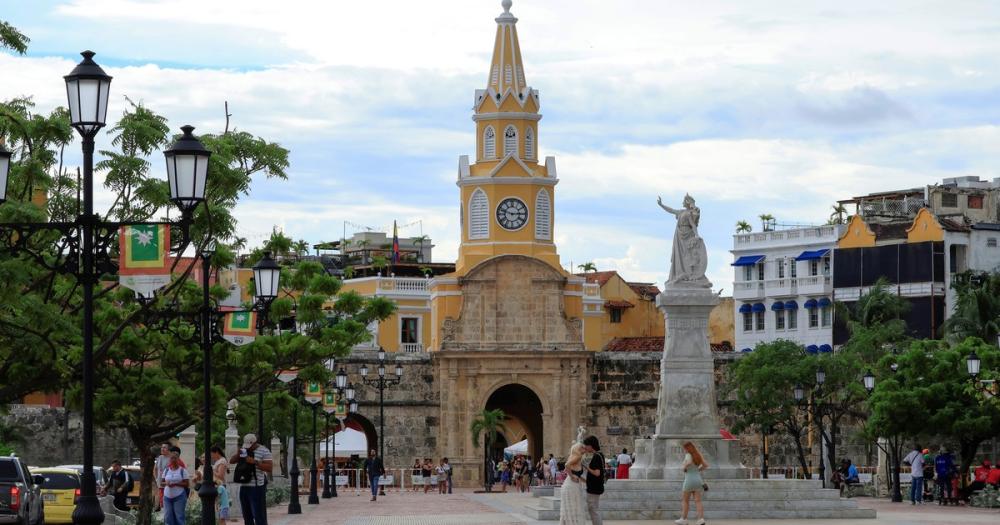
(60, 491)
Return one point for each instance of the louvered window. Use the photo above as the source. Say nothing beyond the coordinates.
(489, 143)
(496, 75)
(529, 143)
(510, 141)
(508, 75)
(543, 215)
(479, 215)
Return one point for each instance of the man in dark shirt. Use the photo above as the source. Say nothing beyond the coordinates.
(375, 469)
(119, 484)
(595, 479)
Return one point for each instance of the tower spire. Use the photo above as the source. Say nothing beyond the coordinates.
(506, 68)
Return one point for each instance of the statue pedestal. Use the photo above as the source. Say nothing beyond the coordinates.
(686, 407)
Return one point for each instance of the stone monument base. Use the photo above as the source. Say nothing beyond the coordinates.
(726, 499)
(660, 457)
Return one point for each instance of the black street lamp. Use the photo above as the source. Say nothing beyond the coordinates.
(208, 491)
(381, 382)
(868, 380)
(798, 392)
(266, 278)
(313, 469)
(295, 388)
(4, 171)
(338, 386)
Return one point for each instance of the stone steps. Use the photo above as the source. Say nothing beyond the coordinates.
(543, 491)
(748, 499)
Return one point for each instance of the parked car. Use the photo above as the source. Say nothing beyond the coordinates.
(60, 492)
(102, 479)
(20, 494)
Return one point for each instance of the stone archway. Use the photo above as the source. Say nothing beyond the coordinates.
(524, 410)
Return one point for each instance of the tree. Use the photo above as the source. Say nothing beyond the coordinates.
(13, 39)
(767, 221)
(380, 263)
(279, 244)
(420, 241)
(238, 245)
(743, 227)
(839, 215)
(977, 307)
(301, 247)
(488, 423)
(587, 267)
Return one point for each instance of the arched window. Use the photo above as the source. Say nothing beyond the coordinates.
(479, 215)
(543, 216)
(496, 75)
(529, 143)
(508, 75)
(510, 141)
(489, 143)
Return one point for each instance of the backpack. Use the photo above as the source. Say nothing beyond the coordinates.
(129, 483)
(244, 472)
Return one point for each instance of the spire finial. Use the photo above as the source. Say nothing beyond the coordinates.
(506, 6)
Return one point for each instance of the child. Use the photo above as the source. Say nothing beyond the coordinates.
(222, 502)
(504, 476)
(561, 473)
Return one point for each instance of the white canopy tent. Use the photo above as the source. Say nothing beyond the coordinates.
(349, 442)
(521, 447)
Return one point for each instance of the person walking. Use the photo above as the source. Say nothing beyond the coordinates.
(222, 502)
(694, 485)
(944, 464)
(375, 470)
(595, 479)
(220, 466)
(119, 485)
(176, 481)
(442, 478)
(447, 473)
(427, 470)
(624, 463)
(159, 467)
(553, 469)
(572, 496)
(415, 476)
(257, 462)
(915, 459)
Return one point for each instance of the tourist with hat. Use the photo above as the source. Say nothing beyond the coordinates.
(253, 465)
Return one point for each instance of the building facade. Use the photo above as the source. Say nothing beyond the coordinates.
(783, 287)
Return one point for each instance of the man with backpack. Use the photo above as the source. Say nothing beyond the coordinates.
(253, 464)
(121, 484)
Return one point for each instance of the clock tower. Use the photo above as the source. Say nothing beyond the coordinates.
(507, 195)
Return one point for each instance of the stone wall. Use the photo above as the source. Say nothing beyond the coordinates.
(54, 436)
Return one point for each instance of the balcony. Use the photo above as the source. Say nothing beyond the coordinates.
(402, 286)
(790, 237)
(743, 290)
(815, 285)
(783, 286)
(411, 348)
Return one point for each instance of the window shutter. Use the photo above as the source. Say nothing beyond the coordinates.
(479, 216)
(510, 141)
(489, 143)
(529, 143)
(543, 216)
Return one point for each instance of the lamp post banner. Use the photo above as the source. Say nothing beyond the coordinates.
(144, 260)
(314, 392)
(334, 405)
(240, 328)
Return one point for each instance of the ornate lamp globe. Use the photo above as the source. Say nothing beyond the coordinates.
(341, 379)
(187, 170)
(349, 392)
(266, 274)
(820, 376)
(381, 354)
(798, 392)
(353, 407)
(381, 369)
(972, 364)
(399, 370)
(363, 370)
(208, 250)
(869, 381)
(87, 88)
(4, 171)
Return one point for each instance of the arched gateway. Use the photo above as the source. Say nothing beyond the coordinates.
(524, 418)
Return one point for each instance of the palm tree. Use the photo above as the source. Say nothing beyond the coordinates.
(239, 244)
(301, 247)
(767, 221)
(379, 262)
(279, 243)
(363, 248)
(587, 267)
(420, 241)
(487, 423)
(977, 308)
(349, 272)
(743, 227)
(839, 215)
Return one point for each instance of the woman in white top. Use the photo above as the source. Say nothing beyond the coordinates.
(573, 501)
(624, 462)
(175, 480)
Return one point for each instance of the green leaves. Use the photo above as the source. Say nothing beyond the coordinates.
(11, 38)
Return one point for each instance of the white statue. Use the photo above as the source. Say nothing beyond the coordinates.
(689, 259)
(581, 431)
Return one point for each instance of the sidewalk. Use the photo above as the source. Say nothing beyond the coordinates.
(467, 508)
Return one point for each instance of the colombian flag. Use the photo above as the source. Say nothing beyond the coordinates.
(395, 244)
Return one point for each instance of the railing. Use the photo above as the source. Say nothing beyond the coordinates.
(784, 284)
(412, 347)
(814, 280)
(395, 480)
(591, 290)
(746, 289)
(817, 232)
(403, 285)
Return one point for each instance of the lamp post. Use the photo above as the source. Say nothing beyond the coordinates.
(291, 378)
(339, 386)
(381, 382)
(266, 279)
(313, 469)
(799, 394)
(207, 492)
(868, 380)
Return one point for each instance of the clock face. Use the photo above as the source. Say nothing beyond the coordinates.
(512, 214)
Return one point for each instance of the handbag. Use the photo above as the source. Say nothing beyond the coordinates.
(704, 486)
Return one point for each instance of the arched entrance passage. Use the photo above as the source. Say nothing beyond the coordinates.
(524, 414)
(359, 422)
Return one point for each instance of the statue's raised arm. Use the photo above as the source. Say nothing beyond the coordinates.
(689, 258)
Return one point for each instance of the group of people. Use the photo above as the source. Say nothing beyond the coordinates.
(583, 477)
(949, 486)
(432, 477)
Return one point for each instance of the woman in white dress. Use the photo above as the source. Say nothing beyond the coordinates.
(573, 504)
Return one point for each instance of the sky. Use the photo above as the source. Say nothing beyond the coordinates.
(752, 107)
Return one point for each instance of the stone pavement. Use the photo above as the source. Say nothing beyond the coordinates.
(467, 508)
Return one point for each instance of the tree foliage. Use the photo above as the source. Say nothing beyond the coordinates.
(11, 38)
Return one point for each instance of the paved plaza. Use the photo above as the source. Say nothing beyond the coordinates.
(468, 508)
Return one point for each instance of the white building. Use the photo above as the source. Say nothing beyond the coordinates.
(783, 288)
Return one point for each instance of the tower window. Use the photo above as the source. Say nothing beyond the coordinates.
(508, 75)
(520, 75)
(510, 141)
(529, 143)
(543, 215)
(479, 215)
(496, 75)
(489, 143)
